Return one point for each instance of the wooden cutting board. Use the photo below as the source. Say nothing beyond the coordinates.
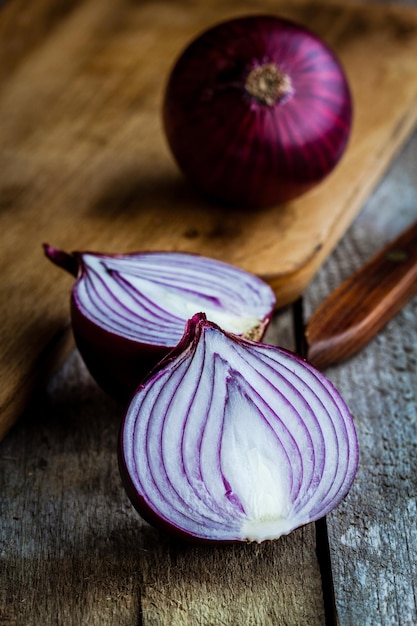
(84, 164)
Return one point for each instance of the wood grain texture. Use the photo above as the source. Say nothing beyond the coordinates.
(83, 162)
(373, 536)
(74, 552)
(357, 310)
(25, 25)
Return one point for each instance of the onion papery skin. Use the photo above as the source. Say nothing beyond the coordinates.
(231, 440)
(128, 311)
(238, 149)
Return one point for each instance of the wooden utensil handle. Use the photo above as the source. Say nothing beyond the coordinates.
(364, 303)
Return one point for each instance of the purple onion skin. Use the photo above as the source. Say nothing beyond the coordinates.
(182, 351)
(136, 499)
(235, 147)
(148, 514)
(117, 364)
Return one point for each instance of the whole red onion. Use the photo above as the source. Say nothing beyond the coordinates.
(257, 111)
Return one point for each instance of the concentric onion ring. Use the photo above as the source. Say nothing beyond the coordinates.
(231, 440)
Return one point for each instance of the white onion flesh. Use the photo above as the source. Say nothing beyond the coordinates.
(232, 440)
(148, 297)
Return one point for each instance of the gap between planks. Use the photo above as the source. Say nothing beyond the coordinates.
(322, 537)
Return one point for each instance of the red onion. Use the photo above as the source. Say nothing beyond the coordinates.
(233, 440)
(128, 311)
(257, 111)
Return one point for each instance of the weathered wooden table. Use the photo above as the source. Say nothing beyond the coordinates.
(74, 552)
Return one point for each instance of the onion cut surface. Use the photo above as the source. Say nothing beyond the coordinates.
(232, 440)
(129, 310)
(149, 297)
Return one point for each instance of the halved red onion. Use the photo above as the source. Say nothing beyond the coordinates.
(233, 440)
(128, 311)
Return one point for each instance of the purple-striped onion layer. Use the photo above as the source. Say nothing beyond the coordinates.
(237, 148)
(232, 440)
(129, 310)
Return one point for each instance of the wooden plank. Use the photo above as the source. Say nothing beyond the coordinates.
(23, 26)
(373, 536)
(74, 552)
(373, 533)
(83, 162)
